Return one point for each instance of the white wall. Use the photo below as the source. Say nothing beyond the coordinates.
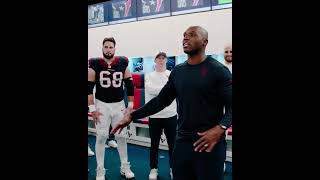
(145, 38)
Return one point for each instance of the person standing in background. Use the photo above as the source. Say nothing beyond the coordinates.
(228, 56)
(165, 120)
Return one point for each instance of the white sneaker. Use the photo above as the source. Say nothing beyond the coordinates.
(100, 174)
(100, 178)
(112, 143)
(90, 152)
(171, 175)
(153, 174)
(125, 171)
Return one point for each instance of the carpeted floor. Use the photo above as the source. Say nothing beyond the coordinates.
(139, 159)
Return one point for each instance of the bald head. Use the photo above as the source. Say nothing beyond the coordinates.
(202, 32)
(228, 46)
(228, 53)
(195, 40)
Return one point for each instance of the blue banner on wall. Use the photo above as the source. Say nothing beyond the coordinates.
(136, 64)
(97, 14)
(189, 6)
(171, 62)
(120, 11)
(147, 9)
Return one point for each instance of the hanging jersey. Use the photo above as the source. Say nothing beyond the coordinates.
(109, 78)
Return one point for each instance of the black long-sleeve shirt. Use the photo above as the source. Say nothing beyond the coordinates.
(202, 91)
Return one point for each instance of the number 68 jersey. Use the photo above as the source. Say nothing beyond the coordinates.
(109, 78)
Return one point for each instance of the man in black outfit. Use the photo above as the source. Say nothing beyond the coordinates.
(203, 88)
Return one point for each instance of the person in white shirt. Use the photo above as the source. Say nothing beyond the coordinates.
(154, 82)
(228, 56)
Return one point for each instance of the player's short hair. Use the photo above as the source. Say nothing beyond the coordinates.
(110, 39)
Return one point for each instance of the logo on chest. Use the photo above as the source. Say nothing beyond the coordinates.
(203, 71)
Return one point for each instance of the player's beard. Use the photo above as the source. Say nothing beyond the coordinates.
(107, 56)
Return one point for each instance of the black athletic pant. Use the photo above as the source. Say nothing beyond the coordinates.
(191, 165)
(156, 125)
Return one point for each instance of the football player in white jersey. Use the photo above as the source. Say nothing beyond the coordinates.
(108, 75)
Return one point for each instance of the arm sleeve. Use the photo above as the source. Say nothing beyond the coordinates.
(225, 93)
